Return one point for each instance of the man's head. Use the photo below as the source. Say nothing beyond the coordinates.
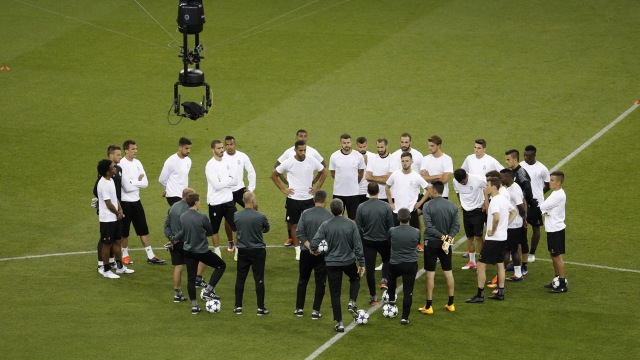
(436, 189)
(361, 145)
(493, 186)
(217, 149)
(506, 177)
(382, 145)
(512, 158)
(193, 200)
(186, 192)
(404, 215)
(435, 143)
(373, 189)
(405, 142)
(492, 173)
(114, 153)
(106, 168)
(184, 147)
(345, 143)
(337, 207)
(130, 149)
(230, 144)
(320, 197)
(406, 159)
(556, 179)
(300, 148)
(530, 154)
(249, 199)
(301, 135)
(461, 176)
(479, 148)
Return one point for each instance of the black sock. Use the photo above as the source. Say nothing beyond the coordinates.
(450, 301)
(563, 282)
(480, 292)
(178, 292)
(119, 264)
(198, 279)
(289, 232)
(532, 251)
(429, 302)
(501, 291)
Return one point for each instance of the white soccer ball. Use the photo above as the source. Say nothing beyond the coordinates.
(362, 317)
(385, 297)
(555, 283)
(213, 306)
(389, 311)
(323, 246)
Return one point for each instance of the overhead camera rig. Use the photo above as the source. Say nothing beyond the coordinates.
(190, 22)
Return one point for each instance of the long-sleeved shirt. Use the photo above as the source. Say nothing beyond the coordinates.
(344, 242)
(522, 178)
(554, 209)
(374, 219)
(403, 239)
(175, 175)
(238, 163)
(131, 171)
(310, 222)
(250, 225)
(195, 229)
(172, 225)
(440, 218)
(220, 180)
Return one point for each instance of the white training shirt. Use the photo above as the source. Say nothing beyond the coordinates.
(131, 186)
(220, 180)
(405, 189)
(396, 160)
(516, 197)
(174, 177)
(379, 167)
(106, 191)
(539, 175)
(471, 194)
(238, 163)
(473, 165)
(438, 166)
(553, 209)
(499, 204)
(364, 183)
(291, 152)
(300, 176)
(346, 169)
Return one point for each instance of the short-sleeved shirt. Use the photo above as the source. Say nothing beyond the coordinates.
(554, 209)
(472, 193)
(438, 166)
(106, 191)
(379, 167)
(405, 189)
(499, 204)
(539, 175)
(481, 166)
(300, 175)
(516, 198)
(291, 152)
(364, 183)
(396, 160)
(346, 167)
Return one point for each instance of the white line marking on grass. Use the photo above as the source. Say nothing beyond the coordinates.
(595, 266)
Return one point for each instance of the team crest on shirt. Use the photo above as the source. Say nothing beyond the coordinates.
(471, 187)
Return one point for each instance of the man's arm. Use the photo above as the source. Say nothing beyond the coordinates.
(301, 232)
(387, 190)
(512, 215)
(275, 177)
(494, 223)
(321, 175)
(251, 174)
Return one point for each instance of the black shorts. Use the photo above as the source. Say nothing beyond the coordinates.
(431, 256)
(238, 195)
(414, 221)
(134, 214)
(555, 242)
(362, 198)
(515, 237)
(473, 222)
(534, 215)
(108, 231)
(295, 209)
(173, 199)
(493, 252)
(217, 212)
(177, 254)
(350, 204)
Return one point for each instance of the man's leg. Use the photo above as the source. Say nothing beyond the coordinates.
(334, 275)
(305, 266)
(320, 273)
(243, 265)
(408, 282)
(259, 261)
(370, 255)
(354, 281)
(535, 239)
(429, 284)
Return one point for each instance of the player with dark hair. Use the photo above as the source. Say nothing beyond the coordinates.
(174, 176)
(195, 229)
(374, 219)
(539, 175)
(251, 249)
(441, 225)
(553, 209)
(310, 221)
(516, 231)
(362, 146)
(344, 250)
(379, 167)
(347, 169)
(521, 177)
(470, 191)
(172, 226)
(437, 166)
(405, 146)
(300, 174)
(403, 189)
(403, 261)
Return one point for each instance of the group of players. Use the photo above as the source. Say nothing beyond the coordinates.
(383, 194)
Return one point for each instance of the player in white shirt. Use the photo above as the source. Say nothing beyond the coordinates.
(134, 178)
(403, 190)
(362, 146)
(290, 152)
(405, 146)
(539, 175)
(480, 163)
(470, 191)
(239, 162)
(379, 167)
(499, 215)
(553, 210)
(300, 174)
(174, 176)
(347, 169)
(437, 166)
(517, 231)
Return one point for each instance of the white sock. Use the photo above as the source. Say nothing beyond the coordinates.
(472, 257)
(125, 251)
(150, 254)
(112, 260)
(217, 251)
(100, 263)
(517, 271)
(298, 248)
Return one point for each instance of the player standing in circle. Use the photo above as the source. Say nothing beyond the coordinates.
(195, 229)
(310, 221)
(347, 168)
(252, 251)
(405, 146)
(344, 250)
(441, 224)
(374, 219)
(553, 209)
(437, 166)
(239, 162)
(134, 178)
(403, 261)
(361, 146)
(379, 167)
(539, 175)
(470, 191)
(403, 189)
(175, 173)
(521, 177)
(517, 230)
(172, 227)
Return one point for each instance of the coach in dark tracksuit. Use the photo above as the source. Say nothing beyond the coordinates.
(345, 246)
(308, 225)
(374, 219)
(252, 252)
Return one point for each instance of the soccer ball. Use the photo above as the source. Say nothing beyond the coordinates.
(555, 283)
(389, 311)
(385, 297)
(202, 293)
(323, 246)
(213, 306)
(362, 317)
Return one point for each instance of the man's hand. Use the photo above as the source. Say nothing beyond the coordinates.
(140, 177)
(361, 271)
(164, 193)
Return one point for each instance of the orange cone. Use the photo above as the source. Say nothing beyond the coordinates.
(5, 68)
